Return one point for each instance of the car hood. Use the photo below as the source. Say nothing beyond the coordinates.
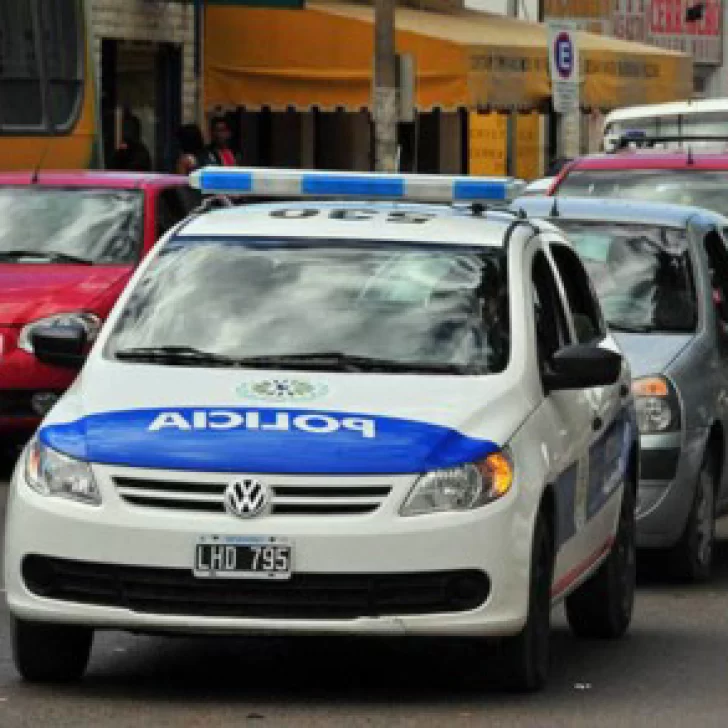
(29, 292)
(282, 422)
(651, 353)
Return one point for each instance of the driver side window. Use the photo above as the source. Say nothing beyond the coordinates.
(549, 316)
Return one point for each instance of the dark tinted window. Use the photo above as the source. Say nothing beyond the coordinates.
(703, 188)
(579, 294)
(45, 224)
(417, 306)
(642, 274)
(41, 64)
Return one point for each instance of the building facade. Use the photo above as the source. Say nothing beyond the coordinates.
(145, 59)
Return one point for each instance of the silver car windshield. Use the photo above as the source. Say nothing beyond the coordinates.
(641, 273)
(339, 305)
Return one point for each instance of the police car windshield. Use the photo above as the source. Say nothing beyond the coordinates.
(70, 225)
(703, 188)
(641, 274)
(339, 305)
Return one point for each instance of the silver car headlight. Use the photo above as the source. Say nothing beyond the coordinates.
(461, 488)
(50, 473)
(90, 322)
(657, 405)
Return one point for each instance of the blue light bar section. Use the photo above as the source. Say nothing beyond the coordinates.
(465, 190)
(294, 184)
(322, 184)
(219, 180)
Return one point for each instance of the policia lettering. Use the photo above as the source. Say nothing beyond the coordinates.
(277, 421)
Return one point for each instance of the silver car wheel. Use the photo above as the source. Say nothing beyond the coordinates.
(704, 525)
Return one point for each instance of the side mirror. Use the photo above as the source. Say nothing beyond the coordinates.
(582, 366)
(63, 346)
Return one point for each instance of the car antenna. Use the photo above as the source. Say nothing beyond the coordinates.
(39, 166)
(554, 208)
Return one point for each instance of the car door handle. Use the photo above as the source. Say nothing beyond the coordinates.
(597, 424)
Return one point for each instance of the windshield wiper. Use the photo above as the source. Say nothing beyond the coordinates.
(179, 355)
(327, 361)
(623, 328)
(339, 361)
(49, 255)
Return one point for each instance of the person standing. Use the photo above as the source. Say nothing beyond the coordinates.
(131, 155)
(219, 151)
(191, 149)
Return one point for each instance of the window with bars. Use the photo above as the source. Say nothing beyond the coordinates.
(41, 65)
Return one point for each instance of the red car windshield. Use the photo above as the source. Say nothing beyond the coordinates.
(70, 225)
(703, 188)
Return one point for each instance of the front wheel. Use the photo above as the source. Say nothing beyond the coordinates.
(50, 652)
(692, 557)
(602, 606)
(526, 656)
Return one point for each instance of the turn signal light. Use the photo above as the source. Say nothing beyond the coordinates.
(497, 472)
(650, 387)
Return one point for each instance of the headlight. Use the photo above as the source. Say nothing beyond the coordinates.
(461, 488)
(51, 473)
(89, 321)
(657, 405)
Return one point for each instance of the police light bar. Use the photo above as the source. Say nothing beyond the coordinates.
(293, 183)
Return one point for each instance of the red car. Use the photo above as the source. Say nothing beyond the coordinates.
(69, 241)
(682, 177)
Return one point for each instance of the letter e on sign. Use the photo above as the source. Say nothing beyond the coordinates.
(564, 54)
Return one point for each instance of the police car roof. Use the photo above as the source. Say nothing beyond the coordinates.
(444, 224)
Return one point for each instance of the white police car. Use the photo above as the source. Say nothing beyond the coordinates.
(369, 417)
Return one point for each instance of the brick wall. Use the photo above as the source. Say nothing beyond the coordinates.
(158, 21)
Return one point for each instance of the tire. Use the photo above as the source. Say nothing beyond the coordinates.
(50, 653)
(602, 606)
(526, 656)
(691, 559)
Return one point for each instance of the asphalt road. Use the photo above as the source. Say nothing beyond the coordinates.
(671, 670)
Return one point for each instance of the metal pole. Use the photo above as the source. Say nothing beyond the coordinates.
(385, 91)
(199, 15)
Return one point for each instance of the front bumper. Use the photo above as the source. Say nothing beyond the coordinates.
(670, 466)
(333, 549)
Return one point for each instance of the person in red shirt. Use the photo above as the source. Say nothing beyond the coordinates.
(219, 151)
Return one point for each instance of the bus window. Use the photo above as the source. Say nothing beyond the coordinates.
(60, 23)
(21, 104)
(41, 65)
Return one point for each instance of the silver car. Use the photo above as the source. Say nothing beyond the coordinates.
(661, 274)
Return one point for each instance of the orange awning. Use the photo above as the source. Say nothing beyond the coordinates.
(322, 57)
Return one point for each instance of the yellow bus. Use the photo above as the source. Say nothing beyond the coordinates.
(48, 110)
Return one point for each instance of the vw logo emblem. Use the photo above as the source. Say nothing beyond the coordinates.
(246, 498)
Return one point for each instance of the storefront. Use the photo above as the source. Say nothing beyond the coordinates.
(298, 82)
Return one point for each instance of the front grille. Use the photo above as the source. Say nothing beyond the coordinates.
(290, 499)
(303, 596)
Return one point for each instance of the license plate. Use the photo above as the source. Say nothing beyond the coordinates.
(239, 557)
